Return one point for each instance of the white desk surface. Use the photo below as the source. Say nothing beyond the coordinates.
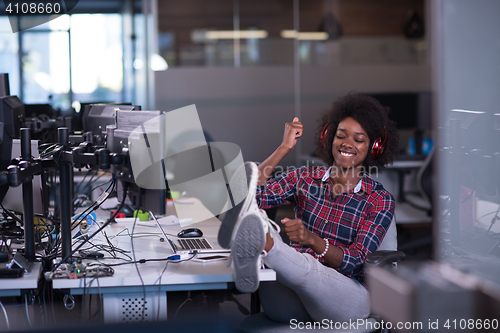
(13, 287)
(406, 164)
(189, 275)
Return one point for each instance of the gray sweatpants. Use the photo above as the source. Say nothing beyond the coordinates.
(307, 290)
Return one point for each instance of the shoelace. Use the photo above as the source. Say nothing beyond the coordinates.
(268, 220)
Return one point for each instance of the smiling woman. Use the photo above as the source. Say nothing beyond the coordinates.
(341, 214)
(377, 130)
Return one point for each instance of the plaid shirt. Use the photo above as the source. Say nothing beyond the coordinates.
(355, 221)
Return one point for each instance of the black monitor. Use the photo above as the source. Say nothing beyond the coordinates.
(101, 115)
(81, 112)
(4, 85)
(44, 111)
(11, 115)
(410, 110)
(146, 199)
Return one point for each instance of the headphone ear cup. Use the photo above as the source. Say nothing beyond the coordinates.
(322, 137)
(377, 149)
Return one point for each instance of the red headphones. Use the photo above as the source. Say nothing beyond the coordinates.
(322, 137)
(379, 147)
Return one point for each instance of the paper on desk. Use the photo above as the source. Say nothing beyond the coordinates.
(167, 221)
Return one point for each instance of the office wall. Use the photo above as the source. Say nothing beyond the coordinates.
(249, 106)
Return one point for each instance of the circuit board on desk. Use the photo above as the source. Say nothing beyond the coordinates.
(78, 270)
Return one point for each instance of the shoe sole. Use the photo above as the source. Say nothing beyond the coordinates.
(230, 217)
(248, 244)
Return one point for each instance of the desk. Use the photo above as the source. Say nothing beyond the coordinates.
(403, 166)
(15, 287)
(125, 286)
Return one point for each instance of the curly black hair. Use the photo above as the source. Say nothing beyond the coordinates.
(371, 115)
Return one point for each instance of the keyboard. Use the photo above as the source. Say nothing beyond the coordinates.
(194, 244)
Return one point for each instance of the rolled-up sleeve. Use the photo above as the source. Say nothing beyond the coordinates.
(369, 236)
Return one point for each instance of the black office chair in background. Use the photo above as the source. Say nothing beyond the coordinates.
(422, 198)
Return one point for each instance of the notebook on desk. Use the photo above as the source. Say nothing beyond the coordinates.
(199, 245)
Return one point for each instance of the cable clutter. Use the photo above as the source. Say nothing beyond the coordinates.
(69, 238)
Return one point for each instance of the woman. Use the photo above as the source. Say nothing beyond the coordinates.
(341, 216)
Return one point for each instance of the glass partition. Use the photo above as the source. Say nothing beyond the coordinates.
(234, 33)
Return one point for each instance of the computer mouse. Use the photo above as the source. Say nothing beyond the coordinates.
(190, 232)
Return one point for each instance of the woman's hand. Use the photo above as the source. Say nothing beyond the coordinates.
(293, 131)
(297, 232)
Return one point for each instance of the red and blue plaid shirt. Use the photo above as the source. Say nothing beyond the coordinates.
(355, 221)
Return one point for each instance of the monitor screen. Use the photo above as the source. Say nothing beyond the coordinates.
(407, 109)
(11, 114)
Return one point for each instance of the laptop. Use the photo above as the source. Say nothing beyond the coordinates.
(199, 245)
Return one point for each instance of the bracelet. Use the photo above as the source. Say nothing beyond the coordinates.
(326, 249)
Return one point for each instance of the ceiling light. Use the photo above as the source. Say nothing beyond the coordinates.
(304, 35)
(236, 34)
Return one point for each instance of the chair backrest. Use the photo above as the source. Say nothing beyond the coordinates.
(390, 241)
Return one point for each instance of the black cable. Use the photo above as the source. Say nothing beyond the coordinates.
(83, 180)
(143, 261)
(88, 183)
(8, 212)
(4, 239)
(125, 190)
(93, 206)
(85, 213)
(92, 189)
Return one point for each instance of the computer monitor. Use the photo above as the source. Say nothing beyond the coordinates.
(97, 116)
(11, 114)
(410, 110)
(4, 85)
(12, 110)
(146, 199)
(39, 110)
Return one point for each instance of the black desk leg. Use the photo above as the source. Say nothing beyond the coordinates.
(401, 186)
(254, 303)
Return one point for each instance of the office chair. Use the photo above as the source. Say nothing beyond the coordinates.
(386, 256)
(422, 199)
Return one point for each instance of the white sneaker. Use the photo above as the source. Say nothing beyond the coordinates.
(248, 242)
(243, 186)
